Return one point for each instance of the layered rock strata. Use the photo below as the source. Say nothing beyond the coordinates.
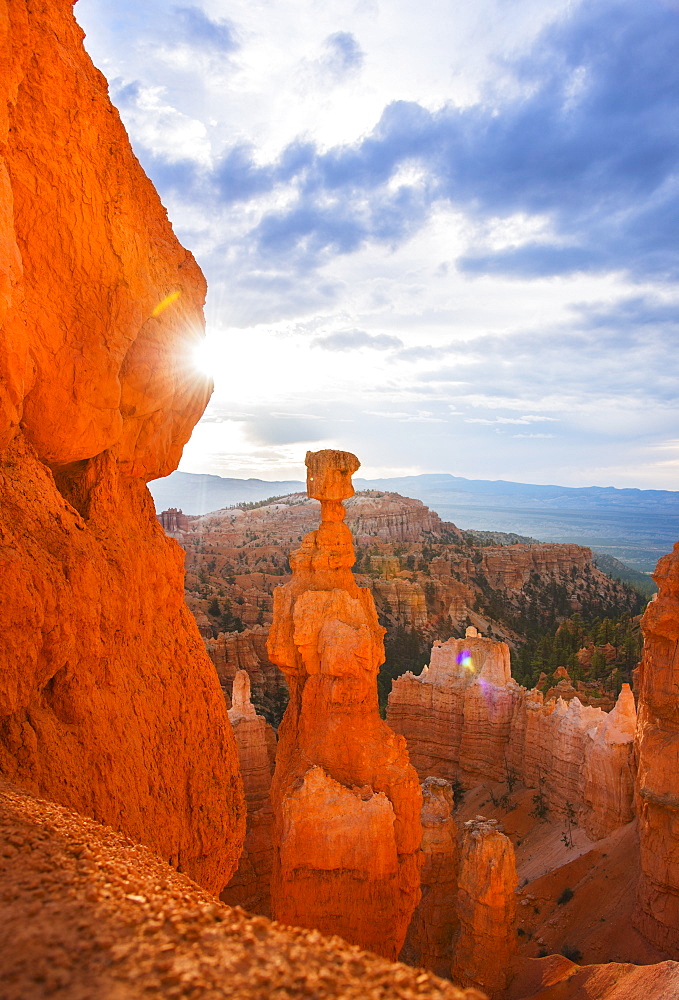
(434, 923)
(256, 743)
(485, 944)
(346, 801)
(464, 714)
(108, 702)
(657, 790)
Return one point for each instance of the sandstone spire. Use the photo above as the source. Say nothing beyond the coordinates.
(249, 887)
(486, 907)
(346, 801)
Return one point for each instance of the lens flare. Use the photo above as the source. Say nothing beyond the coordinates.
(167, 301)
(464, 658)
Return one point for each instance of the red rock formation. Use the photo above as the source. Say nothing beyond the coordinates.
(430, 935)
(255, 740)
(389, 517)
(456, 714)
(247, 651)
(424, 575)
(108, 702)
(657, 915)
(346, 801)
(485, 944)
(173, 521)
(464, 715)
(556, 978)
(402, 600)
(509, 567)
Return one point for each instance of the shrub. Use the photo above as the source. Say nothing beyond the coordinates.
(565, 896)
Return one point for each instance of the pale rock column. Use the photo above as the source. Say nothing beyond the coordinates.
(485, 945)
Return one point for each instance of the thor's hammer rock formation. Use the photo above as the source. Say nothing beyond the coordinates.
(346, 800)
(108, 701)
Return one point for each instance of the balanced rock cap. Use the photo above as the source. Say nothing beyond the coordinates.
(329, 474)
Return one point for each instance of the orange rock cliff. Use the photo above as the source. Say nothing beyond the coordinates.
(657, 915)
(430, 934)
(108, 702)
(346, 801)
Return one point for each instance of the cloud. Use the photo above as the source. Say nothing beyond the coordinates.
(195, 27)
(342, 55)
(588, 142)
(353, 340)
(280, 429)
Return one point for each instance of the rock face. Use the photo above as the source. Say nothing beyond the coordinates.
(247, 651)
(434, 923)
(108, 702)
(256, 743)
(657, 914)
(465, 715)
(346, 801)
(609, 773)
(389, 517)
(485, 944)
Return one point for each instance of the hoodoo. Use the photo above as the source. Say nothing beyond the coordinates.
(430, 935)
(485, 943)
(346, 800)
(256, 743)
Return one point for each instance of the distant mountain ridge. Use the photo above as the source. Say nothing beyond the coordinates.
(635, 526)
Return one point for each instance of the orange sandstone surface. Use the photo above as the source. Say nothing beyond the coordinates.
(657, 914)
(484, 947)
(346, 801)
(108, 701)
(433, 925)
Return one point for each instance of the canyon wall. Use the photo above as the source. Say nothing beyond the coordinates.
(657, 913)
(346, 801)
(465, 717)
(108, 701)
(234, 651)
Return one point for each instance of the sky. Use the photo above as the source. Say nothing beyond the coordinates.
(443, 235)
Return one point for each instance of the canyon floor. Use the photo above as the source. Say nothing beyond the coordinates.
(577, 899)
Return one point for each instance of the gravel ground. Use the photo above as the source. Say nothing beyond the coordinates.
(86, 914)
